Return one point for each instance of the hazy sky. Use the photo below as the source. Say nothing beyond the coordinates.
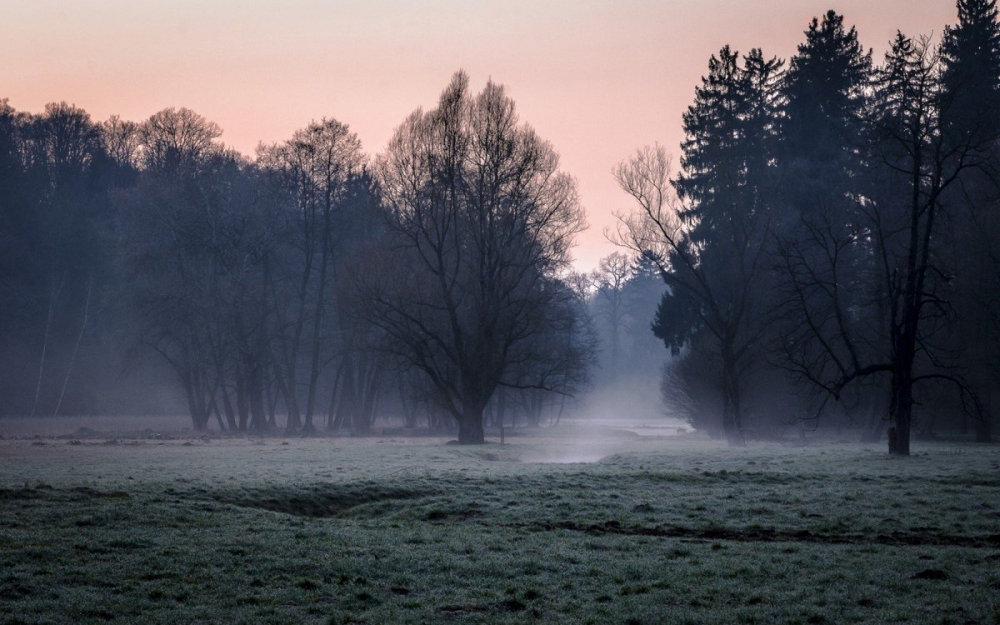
(596, 78)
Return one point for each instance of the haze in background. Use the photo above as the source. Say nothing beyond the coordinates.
(597, 79)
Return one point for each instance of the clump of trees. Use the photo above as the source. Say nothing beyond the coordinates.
(308, 287)
(56, 267)
(831, 234)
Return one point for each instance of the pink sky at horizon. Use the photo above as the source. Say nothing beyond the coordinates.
(597, 79)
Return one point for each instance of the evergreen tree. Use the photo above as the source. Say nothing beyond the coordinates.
(731, 143)
(970, 52)
(825, 90)
(970, 104)
(826, 96)
(715, 267)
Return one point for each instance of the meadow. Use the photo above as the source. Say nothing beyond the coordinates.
(565, 525)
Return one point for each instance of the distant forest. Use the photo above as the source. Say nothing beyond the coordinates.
(825, 254)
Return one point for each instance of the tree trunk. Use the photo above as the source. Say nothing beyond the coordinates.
(734, 435)
(409, 407)
(258, 413)
(314, 365)
(984, 429)
(255, 392)
(732, 418)
(347, 403)
(228, 405)
(287, 390)
(76, 346)
(501, 405)
(242, 403)
(45, 344)
(532, 410)
(272, 405)
(218, 414)
(470, 421)
(901, 413)
(372, 389)
(562, 407)
(489, 415)
(470, 426)
(360, 418)
(615, 341)
(331, 410)
(294, 422)
(199, 418)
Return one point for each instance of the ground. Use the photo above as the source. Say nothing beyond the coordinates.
(570, 525)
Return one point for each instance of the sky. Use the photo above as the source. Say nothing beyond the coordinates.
(597, 79)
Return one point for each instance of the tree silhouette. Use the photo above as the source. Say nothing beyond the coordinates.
(483, 220)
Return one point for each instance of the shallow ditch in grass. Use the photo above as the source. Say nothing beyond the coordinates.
(75, 494)
(321, 500)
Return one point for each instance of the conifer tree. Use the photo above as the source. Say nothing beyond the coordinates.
(711, 248)
(825, 92)
(970, 104)
(970, 53)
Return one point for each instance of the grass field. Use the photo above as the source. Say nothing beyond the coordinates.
(147, 528)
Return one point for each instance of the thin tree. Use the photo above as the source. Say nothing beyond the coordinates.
(314, 167)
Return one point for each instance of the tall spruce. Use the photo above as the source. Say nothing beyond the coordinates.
(825, 91)
(970, 52)
(728, 188)
(970, 101)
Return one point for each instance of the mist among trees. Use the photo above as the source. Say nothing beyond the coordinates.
(822, 253)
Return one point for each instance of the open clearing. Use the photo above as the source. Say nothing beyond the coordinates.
(147, 528)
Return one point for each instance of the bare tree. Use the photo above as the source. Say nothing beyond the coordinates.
(174, 141)
(122, 141)
(194, 243)
(482, 219)
(868, 291)
(65, 144)
(315, 167)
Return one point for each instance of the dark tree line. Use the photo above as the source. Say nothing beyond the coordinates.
(826, 254)
(309, 287)
(832, 235)
(56, 233)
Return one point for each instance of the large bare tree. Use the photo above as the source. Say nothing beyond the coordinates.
(483, 219)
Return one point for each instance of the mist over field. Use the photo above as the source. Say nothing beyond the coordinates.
(343, 383)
